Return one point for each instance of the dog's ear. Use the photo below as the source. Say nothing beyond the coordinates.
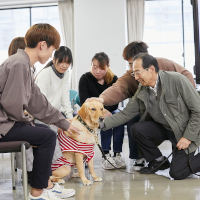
(82, 111)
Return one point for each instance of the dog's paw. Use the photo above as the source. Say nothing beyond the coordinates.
(58, 180)
(87, 182)
(97, 179)
(61, 181)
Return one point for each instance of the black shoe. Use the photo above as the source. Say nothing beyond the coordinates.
(152, 167)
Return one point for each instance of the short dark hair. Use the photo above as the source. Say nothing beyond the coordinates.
(42, 32)
(63, 54)
(17, 43)
(134, 48)
(147, 61)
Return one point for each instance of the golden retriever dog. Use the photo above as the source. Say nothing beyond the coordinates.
(91, 113)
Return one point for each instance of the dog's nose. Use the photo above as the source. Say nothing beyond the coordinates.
(101, 118)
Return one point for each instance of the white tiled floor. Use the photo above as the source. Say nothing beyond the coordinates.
(115, 185)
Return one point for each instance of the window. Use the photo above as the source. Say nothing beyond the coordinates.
(16, 22)
(13, 23)
(166, 34)
(48, 15)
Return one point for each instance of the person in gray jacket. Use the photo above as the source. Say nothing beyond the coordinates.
(18, 93)
(169, 108)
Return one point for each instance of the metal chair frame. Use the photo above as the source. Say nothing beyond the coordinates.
(21, 149)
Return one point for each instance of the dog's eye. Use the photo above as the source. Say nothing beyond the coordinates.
(101, 108)
(94, 109)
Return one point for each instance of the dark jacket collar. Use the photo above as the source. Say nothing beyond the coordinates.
(56, 72)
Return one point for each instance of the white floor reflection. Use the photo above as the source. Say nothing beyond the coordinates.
(115, 184)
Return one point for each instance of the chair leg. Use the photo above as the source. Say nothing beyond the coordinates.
(15, 164)
(24, 171)
(73, 103)
(13, 170)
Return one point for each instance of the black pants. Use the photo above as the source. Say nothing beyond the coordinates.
(45, 140)
(145, 132)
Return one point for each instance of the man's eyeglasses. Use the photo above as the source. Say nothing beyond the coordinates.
(138, 73)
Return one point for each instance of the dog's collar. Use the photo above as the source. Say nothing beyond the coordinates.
(86, 126)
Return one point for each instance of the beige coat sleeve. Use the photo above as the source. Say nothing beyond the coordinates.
(125, 87)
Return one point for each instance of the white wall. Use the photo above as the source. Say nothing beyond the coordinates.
(100, 25)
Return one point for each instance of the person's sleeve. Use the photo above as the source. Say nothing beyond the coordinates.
(192, 101)
(14, 97)
(43, 81)
(40, 108)
(112, 108)
(130, 111)
(66, 103)
(125, 87)
(83, 89)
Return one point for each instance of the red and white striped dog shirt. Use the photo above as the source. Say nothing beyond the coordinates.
(69, 144)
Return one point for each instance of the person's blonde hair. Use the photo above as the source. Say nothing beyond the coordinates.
(103, 61)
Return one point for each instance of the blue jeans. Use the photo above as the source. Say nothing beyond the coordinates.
(118, 136)
(133, 151)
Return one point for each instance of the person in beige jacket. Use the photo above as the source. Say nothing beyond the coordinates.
(126, 86)
(18, 93)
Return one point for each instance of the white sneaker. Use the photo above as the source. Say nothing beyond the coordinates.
(61, 192)
(46, 195)
(106, 165)
(119, 161)
(139, 162)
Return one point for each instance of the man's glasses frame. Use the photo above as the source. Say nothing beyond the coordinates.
(138, 73)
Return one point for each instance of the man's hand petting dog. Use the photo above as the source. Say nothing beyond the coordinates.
(183, 143)
(72, 129)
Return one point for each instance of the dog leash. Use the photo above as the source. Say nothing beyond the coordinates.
(169, 156)
(104, 156)
(86, 126)
(163, 161)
